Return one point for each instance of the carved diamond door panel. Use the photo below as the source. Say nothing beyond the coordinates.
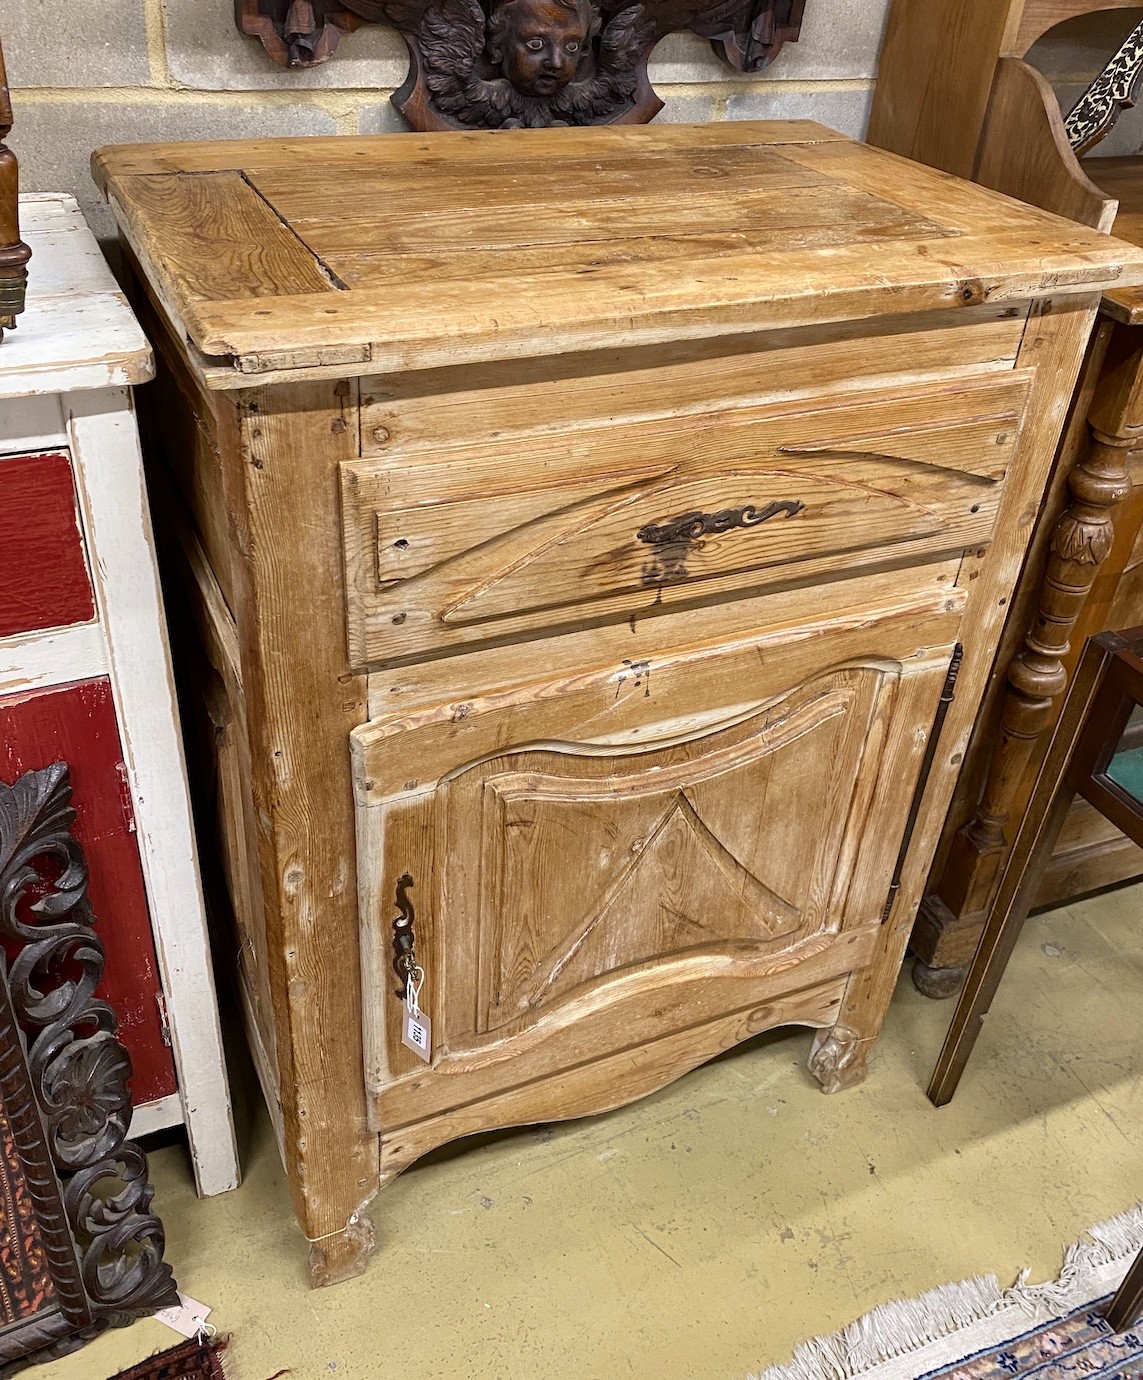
(635, 518)
(610, 858)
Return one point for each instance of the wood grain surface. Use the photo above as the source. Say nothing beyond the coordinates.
(655, 238)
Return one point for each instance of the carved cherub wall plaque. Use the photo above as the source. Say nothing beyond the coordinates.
(502, 64)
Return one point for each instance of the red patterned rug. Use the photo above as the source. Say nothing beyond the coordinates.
(193, 1360)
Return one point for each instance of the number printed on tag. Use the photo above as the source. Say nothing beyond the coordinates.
(417, 1034)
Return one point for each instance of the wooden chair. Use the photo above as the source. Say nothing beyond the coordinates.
(955, 91)
(1096, 752)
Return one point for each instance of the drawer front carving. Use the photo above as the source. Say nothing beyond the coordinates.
(590, 856)
(627, 521)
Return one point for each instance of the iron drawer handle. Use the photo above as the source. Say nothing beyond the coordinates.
(404, 956)
(692, 526)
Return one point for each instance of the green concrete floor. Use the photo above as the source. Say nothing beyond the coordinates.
(704, 1231)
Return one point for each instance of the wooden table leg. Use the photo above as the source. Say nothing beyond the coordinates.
(1126, 1307)
(1036, 837)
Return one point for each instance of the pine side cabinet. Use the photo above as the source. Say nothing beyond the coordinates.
(598, 541)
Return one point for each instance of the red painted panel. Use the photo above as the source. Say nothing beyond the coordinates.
(77, 725)
(43, 576)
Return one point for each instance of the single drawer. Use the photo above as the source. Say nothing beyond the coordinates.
(622, 522)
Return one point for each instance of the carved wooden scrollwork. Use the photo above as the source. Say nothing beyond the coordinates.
(1113, 91)
(64, 1090)
(500, 64)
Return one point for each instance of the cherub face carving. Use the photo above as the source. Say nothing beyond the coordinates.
(539, 43)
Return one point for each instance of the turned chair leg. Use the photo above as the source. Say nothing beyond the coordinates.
(1126, 1307)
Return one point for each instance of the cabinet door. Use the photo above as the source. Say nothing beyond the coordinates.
(76, 724)
(601, 862)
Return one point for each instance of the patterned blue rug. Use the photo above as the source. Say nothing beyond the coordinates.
(977, 1331)
(1080, 1345)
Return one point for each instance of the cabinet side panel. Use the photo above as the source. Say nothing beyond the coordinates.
(1055, 343)
(302, 702)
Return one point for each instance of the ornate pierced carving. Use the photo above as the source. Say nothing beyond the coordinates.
(78, 1071)
(837, 1058)
(504, 64)
(1094, 115)
(14, 253)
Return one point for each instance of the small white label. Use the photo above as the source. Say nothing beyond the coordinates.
(417, 1034)
(187, 1317)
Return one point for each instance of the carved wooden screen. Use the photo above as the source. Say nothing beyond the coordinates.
(492, 64)
(80, 1250)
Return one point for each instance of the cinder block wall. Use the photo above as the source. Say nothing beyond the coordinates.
(91, 72)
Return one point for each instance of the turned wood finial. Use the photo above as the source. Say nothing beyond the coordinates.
(14, 253)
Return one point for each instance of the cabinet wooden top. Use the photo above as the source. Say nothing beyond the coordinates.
(359, 255)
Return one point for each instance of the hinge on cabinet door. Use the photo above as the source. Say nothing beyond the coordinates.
(126, 803)
(923, 780)
(164, 1023)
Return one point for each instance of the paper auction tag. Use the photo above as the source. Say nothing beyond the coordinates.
(417, 1033)
(187, 1317)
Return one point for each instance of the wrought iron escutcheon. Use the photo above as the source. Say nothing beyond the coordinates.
(692, 526)
(404, 938)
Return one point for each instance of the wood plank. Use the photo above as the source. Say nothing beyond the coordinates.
(112, 494)
(778, 214)
(612, 1080)
(608, 176)
(532, 316)
(409, 687)
(39, 660)
(598, 709)
(214, 237)
(403, 413)
(301, 704)
(935, 75)
(621, 1025)
(341, 153)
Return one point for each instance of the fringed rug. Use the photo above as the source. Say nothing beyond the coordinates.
(193, 1360)
(977, 1331)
